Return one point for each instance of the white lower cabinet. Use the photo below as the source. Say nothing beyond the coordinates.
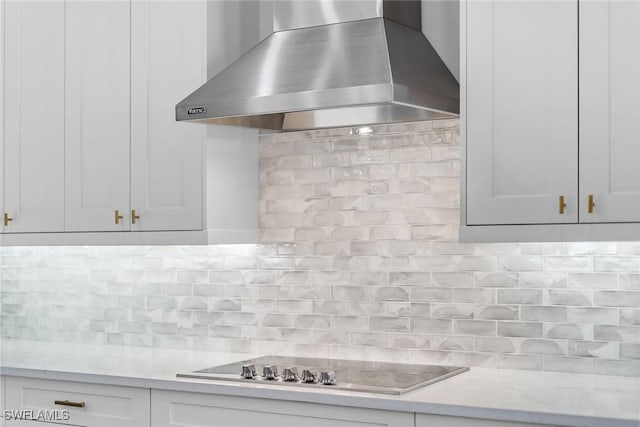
(93, 405)
(444, 421)
(179, 409)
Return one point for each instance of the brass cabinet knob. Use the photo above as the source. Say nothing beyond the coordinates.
(7, 219)
(561, 205)
(590, 204)
(118, 217)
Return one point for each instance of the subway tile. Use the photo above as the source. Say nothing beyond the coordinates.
(452, 279)
(626, 334)
(592, 315)
(629, 351)
(544, 347)
(474, 327)
(427, 294)
(495, 344)
(630, 368)
(568, 364)
(543, 313)
(593, 281)
(629, 281)
(621, 264)
(599, 349)
(370, 339)
(410, 341)
(520, 263)
(350, 323)
(452, 343)
(629, 316)
(389, 324)
(569, 264)
(474, 295)
(496, 280)
(617, 298)
(568, 297)
(431, 326)
(520, 329)
(543, 280)
(520, 296)
(569, 331)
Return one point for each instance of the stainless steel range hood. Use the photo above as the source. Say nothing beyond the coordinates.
(331, 63)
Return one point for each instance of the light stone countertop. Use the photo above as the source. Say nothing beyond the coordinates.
(537, 397)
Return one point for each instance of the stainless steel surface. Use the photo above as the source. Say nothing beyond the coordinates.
(290, 15)
(373, 377)
(270, 372)
(366, 68)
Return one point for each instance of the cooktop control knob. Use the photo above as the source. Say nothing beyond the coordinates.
(309, 376)
(328, 378)
(248, 372)
(290, 374)
(270, 372)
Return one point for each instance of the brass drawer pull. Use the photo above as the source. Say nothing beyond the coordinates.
(590, 204)
(118, 217)
(561, 205)
(134, 216)
(7, 220)
(69, 403)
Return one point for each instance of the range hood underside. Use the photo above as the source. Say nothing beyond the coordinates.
(332, 117)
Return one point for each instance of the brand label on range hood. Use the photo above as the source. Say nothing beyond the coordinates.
(196, 110)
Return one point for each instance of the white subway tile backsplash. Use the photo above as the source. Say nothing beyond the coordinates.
(359, 259)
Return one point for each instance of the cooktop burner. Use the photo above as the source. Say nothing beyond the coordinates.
(373, 377)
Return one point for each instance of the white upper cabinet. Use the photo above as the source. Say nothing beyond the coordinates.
(168, 61)
(34, 116)
(2, 178)
(89, 141)
(97, 115)
(610, 111)
(521, 111)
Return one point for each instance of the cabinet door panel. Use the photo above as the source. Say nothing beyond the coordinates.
(34, 116)
(610, 110)
(97, 115)
(168, 62)
(177, 409)
(521, 118)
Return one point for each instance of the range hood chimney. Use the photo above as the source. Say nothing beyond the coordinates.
(331, 63)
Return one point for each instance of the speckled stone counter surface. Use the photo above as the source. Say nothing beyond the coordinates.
(547, 398)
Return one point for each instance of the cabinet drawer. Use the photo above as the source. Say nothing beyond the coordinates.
(104, 406)
(173, 409)
(423, 420)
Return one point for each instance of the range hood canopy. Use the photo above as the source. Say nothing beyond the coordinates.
(331, 63)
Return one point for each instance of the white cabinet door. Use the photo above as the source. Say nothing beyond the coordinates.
(610, 111)
(521, 111)
(34, 116)
(97, 115)
(178, 409)
(168, 62)
(2, 179)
